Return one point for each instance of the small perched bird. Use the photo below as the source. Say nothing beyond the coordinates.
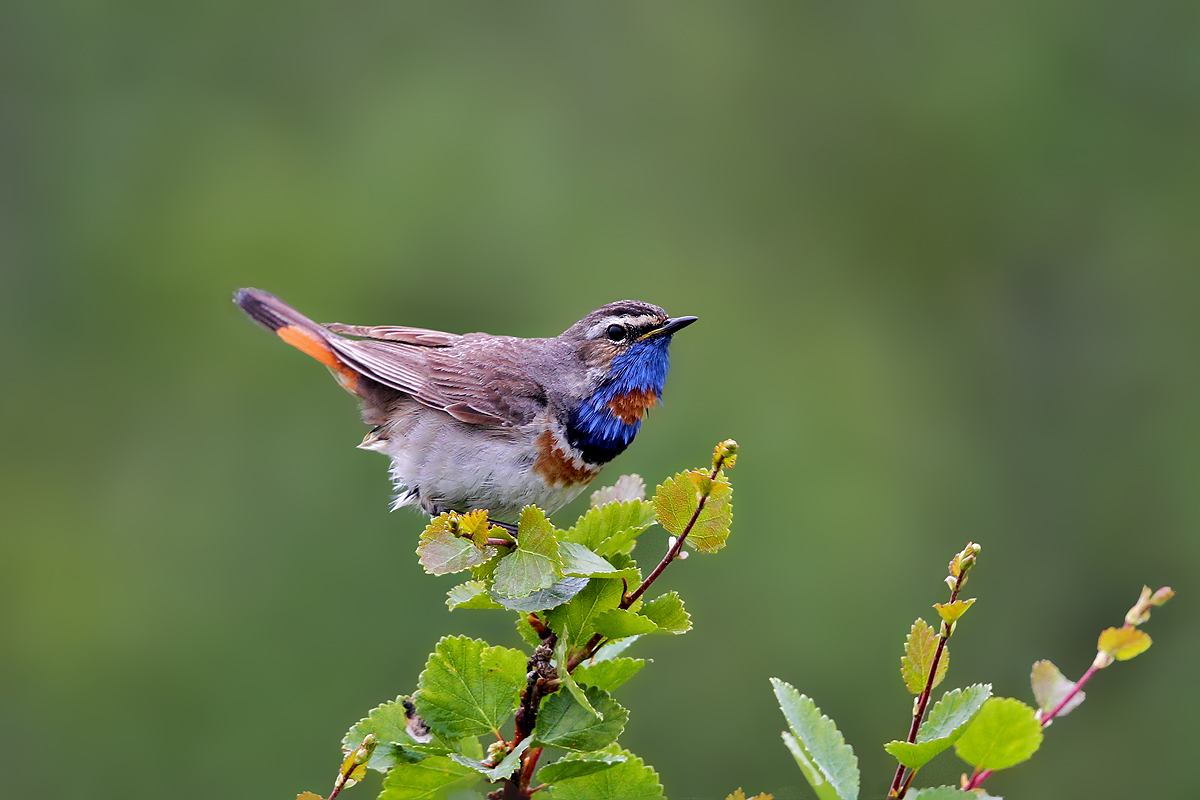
(477, 421)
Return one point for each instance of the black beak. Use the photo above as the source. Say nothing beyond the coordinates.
(669, 327)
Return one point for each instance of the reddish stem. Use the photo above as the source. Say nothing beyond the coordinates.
(593, 644)
(923, 702)
(978, 777)
(1087, 676)
(531, 759)
(673, 553)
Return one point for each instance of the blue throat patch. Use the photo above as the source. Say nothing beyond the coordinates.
(592, 427)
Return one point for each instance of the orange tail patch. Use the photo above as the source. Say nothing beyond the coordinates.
(313, 345)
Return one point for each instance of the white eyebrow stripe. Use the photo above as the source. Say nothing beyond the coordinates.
(634, 323)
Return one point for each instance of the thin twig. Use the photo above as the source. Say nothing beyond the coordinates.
(923, 701)
(978, 777)
(673, 553)
(539, 674)
(531, 759)
(628, 600)
(1087, 676)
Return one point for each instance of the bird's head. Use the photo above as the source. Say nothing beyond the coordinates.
(624, 346)
(627, 342)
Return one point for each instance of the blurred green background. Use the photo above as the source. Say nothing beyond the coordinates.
(945, 260)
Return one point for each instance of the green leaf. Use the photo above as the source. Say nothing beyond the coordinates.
(946, 721)
(919, 649)
(472, 594)
(1123, 643)
(576, 765)
(629, 780)
(627, 487)
(390, 722)
(822, 787)
(612, 527)
(943, 793)
(578, 560)
(667, 613)
(675, 502)
(486, 571)
(1050, 687)
(527, 632)
(562, 591)
(950, 612)
(442, 551)
(535, 563)
(433, 777)
(469, 747)
(611, 650)
(579, 615)
(567, 680)
(565, 723)
(915, 755)
(608, 675)
(617, 623)
(950, 715)
(505, 768)
(620, 543)
(1004, 733)
(625, 563)
(469, 688)
(820, 740)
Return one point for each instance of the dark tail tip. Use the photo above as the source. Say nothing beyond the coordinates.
(258, 304)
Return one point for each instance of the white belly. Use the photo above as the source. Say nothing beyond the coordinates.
(442, 464)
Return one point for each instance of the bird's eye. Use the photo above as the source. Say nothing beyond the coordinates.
(616, 332)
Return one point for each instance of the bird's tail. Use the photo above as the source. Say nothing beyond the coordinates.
(299, 331)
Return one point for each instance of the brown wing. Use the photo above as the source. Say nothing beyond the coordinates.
(476, 378)
(397, 333)
(480, 379)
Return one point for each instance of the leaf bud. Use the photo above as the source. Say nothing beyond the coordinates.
(496, 753)
(354, 764)
(362, 754)
(725, 454)
(1162, 595)
(1141, 609)
(950, 581)
(1137, 615)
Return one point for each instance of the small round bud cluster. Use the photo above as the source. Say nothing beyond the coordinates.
(496, 753)
(962, 563)
(725, 454)
(1141, 609)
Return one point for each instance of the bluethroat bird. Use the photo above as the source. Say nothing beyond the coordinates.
(477, 421)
